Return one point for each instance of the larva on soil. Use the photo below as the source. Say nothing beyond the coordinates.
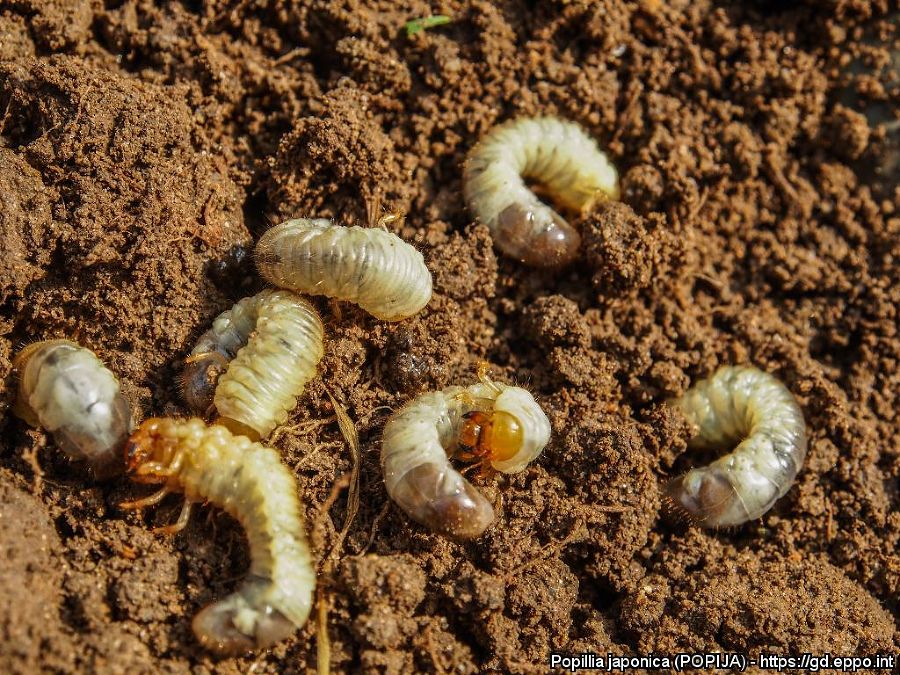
(562, 158)
(499, 425)
(64, 388)
(739, 404)
(255, 361)
(248, 481)
(373, 268)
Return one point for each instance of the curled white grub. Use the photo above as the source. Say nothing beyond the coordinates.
(561, 158)
(745, 406)
(248, 481)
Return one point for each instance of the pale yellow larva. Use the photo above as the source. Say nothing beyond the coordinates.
(247, 480)
(557, 154)
(743, 405)
(368, 266)
(255, 361)
(65, 389)
(499, 425)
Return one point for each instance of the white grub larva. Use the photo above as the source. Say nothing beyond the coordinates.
(499, 425)
(248, 481)
(255, 361)
(743, 405)
(371, 267)
(563, 159)
(65, 389)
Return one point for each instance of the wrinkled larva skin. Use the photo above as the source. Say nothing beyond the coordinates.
(255, 361)
(740, 404)
(560, 156)
(368, 266)
(248, 481)
(419, 439)
(65, 389)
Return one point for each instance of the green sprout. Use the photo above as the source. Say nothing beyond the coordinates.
(418, 25)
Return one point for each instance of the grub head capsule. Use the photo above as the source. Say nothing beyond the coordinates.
(513, 431)
(149, 443)
(495, 436)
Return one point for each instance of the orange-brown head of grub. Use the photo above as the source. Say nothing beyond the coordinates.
(490, 437)
(147, 444)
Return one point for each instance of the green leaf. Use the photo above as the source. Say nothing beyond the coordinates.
(418, 25)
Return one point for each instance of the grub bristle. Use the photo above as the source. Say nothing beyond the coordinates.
(675, 513)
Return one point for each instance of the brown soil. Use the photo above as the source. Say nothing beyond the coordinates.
(144, 146)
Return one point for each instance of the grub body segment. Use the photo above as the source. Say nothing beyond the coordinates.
(370, 267)
(255, 361)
